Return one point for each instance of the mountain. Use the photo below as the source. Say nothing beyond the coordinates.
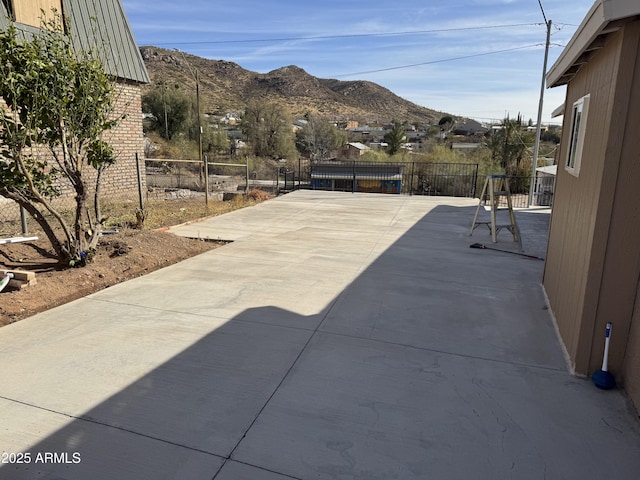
(227, 87)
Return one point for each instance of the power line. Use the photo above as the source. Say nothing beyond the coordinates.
(439, 61)
(543, 14)
(355, 35)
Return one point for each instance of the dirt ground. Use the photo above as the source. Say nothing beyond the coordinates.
(121, 256)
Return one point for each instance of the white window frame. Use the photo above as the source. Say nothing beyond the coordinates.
(578, 128)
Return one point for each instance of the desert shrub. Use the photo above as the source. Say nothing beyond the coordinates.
(258, 195)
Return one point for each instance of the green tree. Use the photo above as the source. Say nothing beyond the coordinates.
(509, 145)
(171, 110)
(319, 138)
(443, 154)
(59, 103)
(268, 129)
(214, 139)
(395, 138)
(446, 123)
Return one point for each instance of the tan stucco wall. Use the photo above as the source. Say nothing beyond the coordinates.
(592, 260)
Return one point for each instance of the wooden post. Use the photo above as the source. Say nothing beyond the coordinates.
(140, 196)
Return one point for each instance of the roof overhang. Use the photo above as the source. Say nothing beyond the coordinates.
(558, 112)
(549, 170)
(604, 18)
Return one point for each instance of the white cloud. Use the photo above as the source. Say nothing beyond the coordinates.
(487, 85)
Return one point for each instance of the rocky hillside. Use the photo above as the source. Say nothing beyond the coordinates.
(226, 86)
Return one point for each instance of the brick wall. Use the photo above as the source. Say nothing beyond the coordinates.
(121, 181)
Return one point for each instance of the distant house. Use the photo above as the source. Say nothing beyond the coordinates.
(366, 133)
(469, 128)
(378, 145)
(534, 128)
(465, 146)
(352, 151)
(99, 25)
(592, 266)
(230, 119)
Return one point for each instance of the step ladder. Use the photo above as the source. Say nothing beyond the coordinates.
(495, 187)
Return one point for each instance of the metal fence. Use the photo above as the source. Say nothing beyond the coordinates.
(175, 188)
(414, 178)
(184, 185)
(411, 178)
(447, 179)
(120, 202)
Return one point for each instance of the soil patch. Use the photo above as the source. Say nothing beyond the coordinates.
(121, 256)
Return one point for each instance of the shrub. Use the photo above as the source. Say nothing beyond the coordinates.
(258, 195)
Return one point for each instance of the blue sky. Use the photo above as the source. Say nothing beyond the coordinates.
(413, 50)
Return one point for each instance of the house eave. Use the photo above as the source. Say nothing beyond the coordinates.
(604, 18)
(558, 112)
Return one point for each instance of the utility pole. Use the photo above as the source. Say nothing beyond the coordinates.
(202, 161)
(164, 106)
(536, 148)
(204, 164)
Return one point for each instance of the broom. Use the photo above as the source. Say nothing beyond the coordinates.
(484, 247)
(603, 378)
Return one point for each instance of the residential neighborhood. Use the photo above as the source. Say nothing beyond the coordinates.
(211, 272)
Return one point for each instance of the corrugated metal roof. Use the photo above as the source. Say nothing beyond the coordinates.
(101, 25)
(359, 146)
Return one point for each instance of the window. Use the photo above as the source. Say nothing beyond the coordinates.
(31, 12)
(576, 140)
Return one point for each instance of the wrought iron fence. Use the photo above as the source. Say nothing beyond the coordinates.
(414, 178)
(519, 189)
(445, 179)
(357, 176)
(162, 182)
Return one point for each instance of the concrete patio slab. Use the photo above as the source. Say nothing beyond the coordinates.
(499, 322)
(239, 471)
(353, 408)
(226, 285)
(339, 336)
(145, 372)
(37, 443)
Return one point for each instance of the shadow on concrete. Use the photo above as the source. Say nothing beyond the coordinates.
(438, 361)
